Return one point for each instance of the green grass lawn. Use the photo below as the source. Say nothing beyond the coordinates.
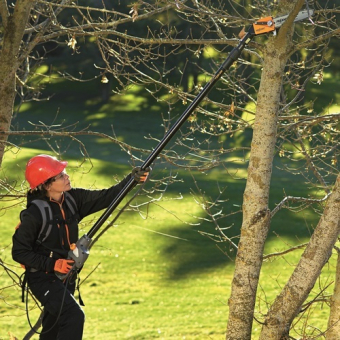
(156, 278)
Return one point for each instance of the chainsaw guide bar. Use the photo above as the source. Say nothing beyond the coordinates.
(270, 24)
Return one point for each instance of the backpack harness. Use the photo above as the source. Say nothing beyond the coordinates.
(47, 215)
(46, 227)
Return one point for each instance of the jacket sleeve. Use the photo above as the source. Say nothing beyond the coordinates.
(92, 201)
(24, 240)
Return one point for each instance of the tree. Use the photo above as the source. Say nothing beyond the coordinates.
(284, 124)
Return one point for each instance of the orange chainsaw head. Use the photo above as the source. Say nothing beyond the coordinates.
(264, 25)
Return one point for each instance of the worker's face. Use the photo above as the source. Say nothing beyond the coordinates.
(60, 183)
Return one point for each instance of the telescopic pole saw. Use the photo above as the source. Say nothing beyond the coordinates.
(80, 251)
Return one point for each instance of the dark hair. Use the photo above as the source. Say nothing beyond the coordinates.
(41, 190)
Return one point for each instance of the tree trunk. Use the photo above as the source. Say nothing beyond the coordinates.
(288, 304)
(14, 26)
(256, 215)
(334, 317)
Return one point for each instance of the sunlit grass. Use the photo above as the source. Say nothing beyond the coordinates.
(333, 108)
(248, 114)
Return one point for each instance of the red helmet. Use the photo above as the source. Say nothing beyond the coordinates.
(42, 167)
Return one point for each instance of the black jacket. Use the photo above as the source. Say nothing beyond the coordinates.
(65, 227)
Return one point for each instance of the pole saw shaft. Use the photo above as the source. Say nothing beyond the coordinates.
(232, 57)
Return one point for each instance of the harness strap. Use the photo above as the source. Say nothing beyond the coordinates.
(47, 215)
(71, 203)
(47, 220)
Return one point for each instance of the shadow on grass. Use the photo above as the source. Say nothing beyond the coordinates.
(202, 253)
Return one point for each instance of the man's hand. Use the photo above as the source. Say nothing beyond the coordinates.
(63, 266)
(139, 175)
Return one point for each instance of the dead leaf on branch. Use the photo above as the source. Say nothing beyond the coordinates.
(178, 4)
(72, 43)
(104, 79)
(319, 77)
(231, 111)
(134, 12)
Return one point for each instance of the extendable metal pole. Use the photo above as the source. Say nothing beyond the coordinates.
(232, 57)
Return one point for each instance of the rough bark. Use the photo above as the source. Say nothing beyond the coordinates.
(14, 26)
(288, 304)
(256, 218)
(334, 317)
